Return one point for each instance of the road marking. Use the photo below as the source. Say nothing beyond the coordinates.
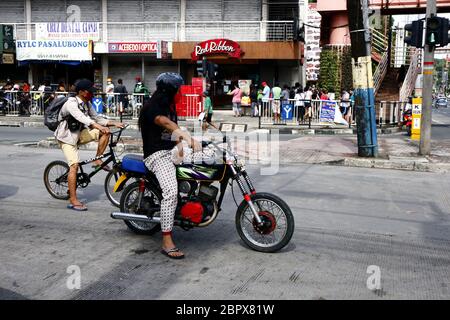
(438, 122)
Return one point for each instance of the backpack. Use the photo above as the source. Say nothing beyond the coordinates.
(51, 113)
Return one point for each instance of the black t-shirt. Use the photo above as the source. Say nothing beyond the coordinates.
(156, 138)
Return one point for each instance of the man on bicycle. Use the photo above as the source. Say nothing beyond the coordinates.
(80, 124)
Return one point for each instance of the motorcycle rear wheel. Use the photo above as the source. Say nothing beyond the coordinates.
(278, 218)
(128, 204)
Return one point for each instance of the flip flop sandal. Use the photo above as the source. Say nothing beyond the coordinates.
(168, 253)
(105, 168)
(77, 207)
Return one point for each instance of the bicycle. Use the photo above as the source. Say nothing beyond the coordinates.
(56, 173)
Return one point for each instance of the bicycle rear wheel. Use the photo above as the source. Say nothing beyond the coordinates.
(55, 179)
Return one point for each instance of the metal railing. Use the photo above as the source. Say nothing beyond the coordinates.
(181, 31)
(411, 76)
(33, 103)
(297, 112)
(388, 113)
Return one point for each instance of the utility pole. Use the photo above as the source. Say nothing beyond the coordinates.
(358, 17)
(427, 95)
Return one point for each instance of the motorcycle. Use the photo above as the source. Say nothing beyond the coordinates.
(263, 221)
(407, 120)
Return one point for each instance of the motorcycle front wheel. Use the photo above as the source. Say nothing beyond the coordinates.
(278, 223)
(129, 203)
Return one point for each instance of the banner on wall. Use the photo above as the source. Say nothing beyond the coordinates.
(64, 50)
(68, 30)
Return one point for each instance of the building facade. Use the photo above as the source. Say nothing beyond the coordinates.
(128, 38)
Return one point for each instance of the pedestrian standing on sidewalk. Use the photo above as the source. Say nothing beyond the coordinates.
(300, 104)
(121, 90)
(237, 97)
(308, 102)
(109, 95)
(285, 94)
(345, 105)
(276, 103)
(208, 110)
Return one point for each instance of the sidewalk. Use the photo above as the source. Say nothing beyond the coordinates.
(220, 116)
(396, 151)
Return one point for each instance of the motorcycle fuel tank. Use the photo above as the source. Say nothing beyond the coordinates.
(213, 172)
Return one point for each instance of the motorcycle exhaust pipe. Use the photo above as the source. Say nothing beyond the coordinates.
(134, 217)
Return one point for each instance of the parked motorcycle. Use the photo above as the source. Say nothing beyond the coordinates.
(407, 120)
(263, 221)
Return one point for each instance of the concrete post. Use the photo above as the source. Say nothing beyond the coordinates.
(427, 94)
(264, 18)
(105, 20)
(362, 78)
(182, 31)
(105, 70)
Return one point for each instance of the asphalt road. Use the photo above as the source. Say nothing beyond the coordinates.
(440, 128)
(349, 221)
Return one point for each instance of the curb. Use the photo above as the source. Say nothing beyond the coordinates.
(406, 165)
(188, 125)
(419, 165)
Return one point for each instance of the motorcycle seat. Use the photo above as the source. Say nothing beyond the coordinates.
(134, 163)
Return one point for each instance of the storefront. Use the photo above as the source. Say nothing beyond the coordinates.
(256, 62)
(129, 60)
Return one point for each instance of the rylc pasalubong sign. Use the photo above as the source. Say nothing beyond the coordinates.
(64, 50)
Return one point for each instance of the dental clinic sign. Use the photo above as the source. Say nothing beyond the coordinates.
(217, 46)
(63, 50)
(68, 30)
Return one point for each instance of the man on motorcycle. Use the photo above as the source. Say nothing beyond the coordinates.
(160, 135)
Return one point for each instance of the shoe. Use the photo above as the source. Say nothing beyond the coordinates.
(168, 253)
(78, 207)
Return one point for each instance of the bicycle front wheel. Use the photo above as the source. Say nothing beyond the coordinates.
(55, 179)
(110, 182)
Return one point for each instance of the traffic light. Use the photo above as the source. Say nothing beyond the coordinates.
(437, 31)
(415, 34)
(202, 67)
(213, 70)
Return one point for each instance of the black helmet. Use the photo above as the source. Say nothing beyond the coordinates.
(169, 80)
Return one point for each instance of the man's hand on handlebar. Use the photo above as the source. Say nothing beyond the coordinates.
(119, 125)
(102, 129)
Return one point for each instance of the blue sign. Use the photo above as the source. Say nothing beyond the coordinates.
(327, 111)
(287, 111)
(97, 103)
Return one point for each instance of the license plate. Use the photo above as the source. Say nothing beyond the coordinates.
(119, 182)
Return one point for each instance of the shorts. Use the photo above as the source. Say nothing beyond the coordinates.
(276, 104)
(71, 152)
(344, 110)
(208, 118)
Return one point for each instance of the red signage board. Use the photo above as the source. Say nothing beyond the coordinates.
(217, 46)
(132, 47)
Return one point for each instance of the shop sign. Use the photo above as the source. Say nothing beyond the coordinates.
(8, 58)
(217, 46)
(68, 30)
(133, 47)
(65, 50)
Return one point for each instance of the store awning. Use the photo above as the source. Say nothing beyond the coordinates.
(69, 63)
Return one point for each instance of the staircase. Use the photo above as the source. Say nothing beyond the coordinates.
(385, 75)
(388, 89)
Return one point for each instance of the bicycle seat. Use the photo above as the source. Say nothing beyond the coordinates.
(134, 163)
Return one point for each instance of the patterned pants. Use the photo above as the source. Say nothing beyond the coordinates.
(161, 163)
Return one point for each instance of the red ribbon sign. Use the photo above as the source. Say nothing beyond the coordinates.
(217, 46)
